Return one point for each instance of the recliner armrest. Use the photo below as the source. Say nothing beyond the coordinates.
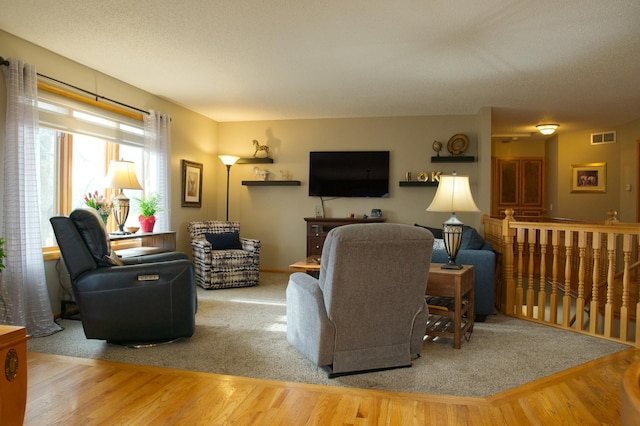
(251, 244)
(153, 258)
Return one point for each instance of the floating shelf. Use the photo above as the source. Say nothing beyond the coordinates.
(417, 183)
(271, 182)
(454, 159)
(255, 161)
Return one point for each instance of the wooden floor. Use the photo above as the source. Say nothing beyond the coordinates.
(73, 391)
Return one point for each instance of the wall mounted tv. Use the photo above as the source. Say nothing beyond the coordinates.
(349, 173)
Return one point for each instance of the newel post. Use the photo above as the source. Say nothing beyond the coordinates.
(508, 236)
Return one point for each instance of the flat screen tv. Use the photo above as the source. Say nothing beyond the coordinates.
(349, 173)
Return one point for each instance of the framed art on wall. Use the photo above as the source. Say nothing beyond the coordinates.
(191, 184)
(590, 177)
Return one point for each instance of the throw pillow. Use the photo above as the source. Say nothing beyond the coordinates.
(472, 239)
(114, 259)
(438, 244)
(224, 241)
(437, 232)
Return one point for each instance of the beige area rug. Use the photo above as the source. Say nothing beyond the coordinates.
(242, 332)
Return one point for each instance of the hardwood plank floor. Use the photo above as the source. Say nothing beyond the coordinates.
(72, 391)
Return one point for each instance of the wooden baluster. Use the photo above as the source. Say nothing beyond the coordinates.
(553, 303)
(582, 243)
(530, 293)
(608, 307)
(542, 293)
(624, 309)
(566, 298)
(519, 291)
(594, 308)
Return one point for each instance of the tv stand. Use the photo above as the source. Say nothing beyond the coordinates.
(318, 227)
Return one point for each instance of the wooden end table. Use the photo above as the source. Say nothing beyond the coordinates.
(450, 296)
(311, 265)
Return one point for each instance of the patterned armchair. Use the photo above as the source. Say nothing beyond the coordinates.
(221, 258)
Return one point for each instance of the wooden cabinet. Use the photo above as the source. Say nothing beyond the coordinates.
(318, 228)
(13, 383)
(518, 183)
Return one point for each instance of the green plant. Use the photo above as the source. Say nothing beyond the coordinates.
(3, 256)
(149, 204)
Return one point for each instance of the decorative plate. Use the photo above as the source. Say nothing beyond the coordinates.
(423, 177)
(458, 144)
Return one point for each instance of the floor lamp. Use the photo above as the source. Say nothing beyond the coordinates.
(453, 195)
(121, 175)
(228, 160)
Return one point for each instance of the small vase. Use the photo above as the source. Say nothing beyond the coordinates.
(147, 223)
(104, 215)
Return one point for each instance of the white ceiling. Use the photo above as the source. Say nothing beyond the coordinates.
(574, 62)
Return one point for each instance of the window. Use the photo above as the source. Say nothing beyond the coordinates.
(76, 146)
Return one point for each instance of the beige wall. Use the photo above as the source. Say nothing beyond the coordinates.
(575, 148)
(518, 149)
(275, 214)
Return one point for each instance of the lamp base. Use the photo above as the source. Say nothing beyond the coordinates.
(451, 265)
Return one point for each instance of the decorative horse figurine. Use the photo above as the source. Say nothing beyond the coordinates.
(259, 148)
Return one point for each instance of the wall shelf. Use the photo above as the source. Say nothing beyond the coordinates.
(454, 159)
(271, 182)
(417, 183)
(255, 161)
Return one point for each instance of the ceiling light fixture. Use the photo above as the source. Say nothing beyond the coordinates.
(547, 129)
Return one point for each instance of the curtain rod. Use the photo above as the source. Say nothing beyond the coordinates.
(7, 63)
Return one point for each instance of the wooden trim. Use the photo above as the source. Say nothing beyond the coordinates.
(61, 92)
(637, 180)
(50, 253)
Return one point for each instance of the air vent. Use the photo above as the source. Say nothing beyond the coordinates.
(604, 137)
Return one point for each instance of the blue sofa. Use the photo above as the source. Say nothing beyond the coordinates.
(475, 251)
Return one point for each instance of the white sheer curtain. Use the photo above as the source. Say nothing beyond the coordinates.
(24, 299)
(157, 148)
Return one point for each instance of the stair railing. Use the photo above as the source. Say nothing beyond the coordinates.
(569, 274)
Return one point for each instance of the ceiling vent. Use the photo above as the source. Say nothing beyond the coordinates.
(604, 137)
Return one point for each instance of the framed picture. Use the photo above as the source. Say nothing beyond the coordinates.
(591, 177)
(191, 184)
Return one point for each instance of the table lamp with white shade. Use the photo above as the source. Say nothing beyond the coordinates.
(121, 175)
(453, 195)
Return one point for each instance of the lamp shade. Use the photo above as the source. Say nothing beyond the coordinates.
(453, 195)
(228, 160)
(122, 175)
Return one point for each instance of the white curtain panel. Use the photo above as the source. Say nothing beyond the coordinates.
(156, 172)
(24, 299)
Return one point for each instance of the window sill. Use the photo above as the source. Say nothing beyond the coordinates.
(53, 253)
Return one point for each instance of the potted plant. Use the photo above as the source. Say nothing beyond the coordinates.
(3, 256)
(149, 206)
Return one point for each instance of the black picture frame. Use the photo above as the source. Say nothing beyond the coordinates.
(191, 184)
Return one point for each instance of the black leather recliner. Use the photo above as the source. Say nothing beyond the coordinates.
(141, 300)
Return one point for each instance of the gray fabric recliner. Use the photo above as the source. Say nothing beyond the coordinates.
(141, 300)
(366, 311)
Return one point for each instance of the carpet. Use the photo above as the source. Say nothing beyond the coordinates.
(242, 332)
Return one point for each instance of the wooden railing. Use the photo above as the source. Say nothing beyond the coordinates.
(569, 274)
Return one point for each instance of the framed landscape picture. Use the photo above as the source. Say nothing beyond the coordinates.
(191, 184)
(590, 177)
